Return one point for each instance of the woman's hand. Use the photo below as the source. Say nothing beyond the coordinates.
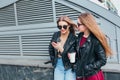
(57, 46)
(69, 55)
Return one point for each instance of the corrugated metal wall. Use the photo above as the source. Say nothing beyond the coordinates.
(7, 16)
(25, 12)
(34, 11)
(27, 27)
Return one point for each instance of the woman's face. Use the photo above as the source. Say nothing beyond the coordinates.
(63, 27)
(81, 27)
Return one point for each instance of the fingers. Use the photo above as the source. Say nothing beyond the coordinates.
(54, 44)
(57, 46)
(69, 55)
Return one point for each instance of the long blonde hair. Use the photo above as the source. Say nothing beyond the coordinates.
(88, 20)
(69, 21)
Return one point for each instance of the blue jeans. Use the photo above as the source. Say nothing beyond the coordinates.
(61, 74)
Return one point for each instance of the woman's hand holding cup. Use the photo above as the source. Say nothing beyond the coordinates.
(71, 56)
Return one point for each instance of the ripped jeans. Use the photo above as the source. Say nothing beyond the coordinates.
(61, 74)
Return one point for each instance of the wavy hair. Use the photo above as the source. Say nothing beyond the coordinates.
(88, 20)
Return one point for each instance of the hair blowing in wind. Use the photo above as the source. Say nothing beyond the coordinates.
(88, 20)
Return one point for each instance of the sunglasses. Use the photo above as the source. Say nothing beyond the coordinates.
(79, 24)
(64, 27)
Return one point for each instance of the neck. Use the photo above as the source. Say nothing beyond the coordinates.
(86, 34)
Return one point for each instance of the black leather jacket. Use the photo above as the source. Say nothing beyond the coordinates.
(91, 56)
(69, 46)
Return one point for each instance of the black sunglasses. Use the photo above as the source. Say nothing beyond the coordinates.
(79, 24)
(64, 27)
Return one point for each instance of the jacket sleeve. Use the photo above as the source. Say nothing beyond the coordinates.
(51, 50)
(73, 45)
(100, 57)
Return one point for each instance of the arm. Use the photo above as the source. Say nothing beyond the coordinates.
(101, 57)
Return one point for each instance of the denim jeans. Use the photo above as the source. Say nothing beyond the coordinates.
(61, 74)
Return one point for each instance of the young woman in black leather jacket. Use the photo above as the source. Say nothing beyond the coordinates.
(92, 49)
(62, 43)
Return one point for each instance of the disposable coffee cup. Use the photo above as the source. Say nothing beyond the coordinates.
(72, 57)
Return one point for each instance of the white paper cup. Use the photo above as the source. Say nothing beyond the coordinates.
(72, 57)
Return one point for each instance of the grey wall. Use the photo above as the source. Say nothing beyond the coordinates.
(26, 27)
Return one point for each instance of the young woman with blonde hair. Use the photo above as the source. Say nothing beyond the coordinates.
(92, 49)
(62, 43)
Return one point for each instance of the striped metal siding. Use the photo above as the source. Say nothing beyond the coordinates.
(34, 11)
(65, 10)
(35, 44)
(9, 45)
(33, 41)
(29, 45)
(7, 16)
(28, 12)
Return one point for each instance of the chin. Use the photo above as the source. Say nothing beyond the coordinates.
(63, 32)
